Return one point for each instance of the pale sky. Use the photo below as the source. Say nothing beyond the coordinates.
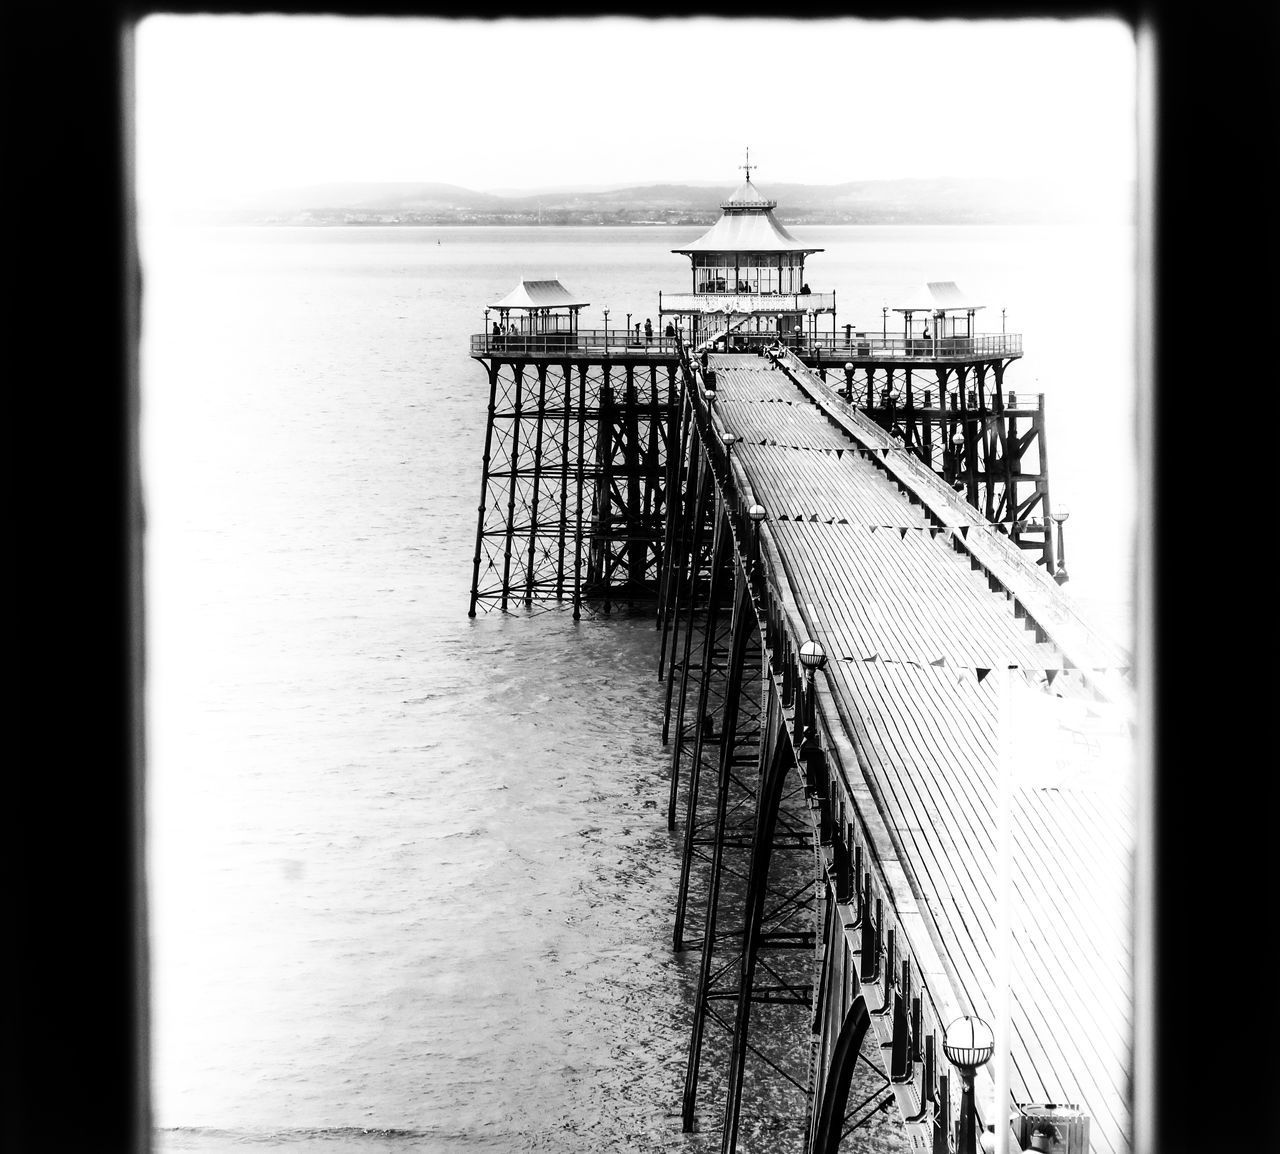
(232, 104)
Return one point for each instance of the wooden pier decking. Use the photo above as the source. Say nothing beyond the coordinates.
(911, 625)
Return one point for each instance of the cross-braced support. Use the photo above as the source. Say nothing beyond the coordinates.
(723, 837)
(719, 678)
(985, 441)
(776, 973)
(573, 495)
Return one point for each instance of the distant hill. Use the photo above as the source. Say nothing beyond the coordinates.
(910, 201)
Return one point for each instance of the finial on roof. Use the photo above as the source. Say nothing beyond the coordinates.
(748, 166)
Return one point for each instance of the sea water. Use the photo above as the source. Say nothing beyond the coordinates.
(410, 882)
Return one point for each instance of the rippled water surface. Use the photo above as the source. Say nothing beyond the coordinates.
(411, 883)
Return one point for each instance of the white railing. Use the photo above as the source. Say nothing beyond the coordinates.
(860, 346)
(747, 302)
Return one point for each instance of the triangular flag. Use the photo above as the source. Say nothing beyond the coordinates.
(940, 662)
(843, 521)
(872, 657)
(813, 516)
(982, 674)
(934, 530)
(902, 530)
(873, 528)
(784, 517)
(1050, 674)
(884, 451)
(964, 532)
(839, 454)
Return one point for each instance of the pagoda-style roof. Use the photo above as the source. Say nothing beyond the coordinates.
(746, 224)
(939, 296)
(539, 294)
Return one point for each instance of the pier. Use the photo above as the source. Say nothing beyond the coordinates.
(846, 542)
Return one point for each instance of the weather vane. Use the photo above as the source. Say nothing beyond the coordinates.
(748, 166)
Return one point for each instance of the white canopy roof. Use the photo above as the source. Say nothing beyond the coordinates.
(747, 224)
(746, 232)
(539, 294)
(939, 296)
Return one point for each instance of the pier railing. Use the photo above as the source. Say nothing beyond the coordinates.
(746, 302)
(836, 347)
(584, 342)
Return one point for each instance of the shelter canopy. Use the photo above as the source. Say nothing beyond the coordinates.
(746, 225)
(939, 296)
(539, 294)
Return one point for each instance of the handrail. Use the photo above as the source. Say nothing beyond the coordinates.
(744, 302)
(593, 342)
(601, 342)
(859, 347)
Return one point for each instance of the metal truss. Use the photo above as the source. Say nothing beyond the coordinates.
(987, 443)
(762, 957)
(573, 495)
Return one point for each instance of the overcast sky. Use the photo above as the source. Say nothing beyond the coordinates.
(230, 105)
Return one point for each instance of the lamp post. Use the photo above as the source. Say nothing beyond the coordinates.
(757, 513)
(812, 658)
(606, 331)
(1059, 515)
(968, 1044)
(628, 326)
(884, 322)
(848, 379)
(729, 440)
(957, 446)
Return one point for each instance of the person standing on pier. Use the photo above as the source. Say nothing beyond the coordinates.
(648, 331)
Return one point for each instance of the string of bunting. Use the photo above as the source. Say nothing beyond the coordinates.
(902, 530)
(1038, 674)
(839, 452)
